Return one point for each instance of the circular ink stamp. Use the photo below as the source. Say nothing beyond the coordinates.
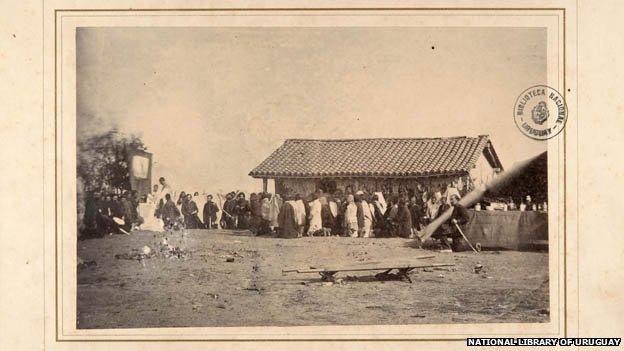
(540, 112)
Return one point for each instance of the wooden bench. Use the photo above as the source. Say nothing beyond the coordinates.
(403, 269)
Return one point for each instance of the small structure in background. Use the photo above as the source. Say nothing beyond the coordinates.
(140, 170)
(302, 166)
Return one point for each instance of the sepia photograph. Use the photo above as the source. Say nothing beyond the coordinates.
(313, 176)
(328, 174)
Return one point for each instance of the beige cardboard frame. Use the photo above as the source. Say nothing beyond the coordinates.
(61, 19)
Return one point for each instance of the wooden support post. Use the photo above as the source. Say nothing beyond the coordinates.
(265, 185)
(327, 276)
(404, 273)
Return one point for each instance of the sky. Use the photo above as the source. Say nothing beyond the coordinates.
(211, 103)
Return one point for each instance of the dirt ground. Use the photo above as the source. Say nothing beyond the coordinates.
(203, 290)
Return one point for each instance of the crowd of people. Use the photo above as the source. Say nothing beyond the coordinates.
(319, 214)
(343, 213)
(358, 214)
(348, 213)
(232, 211)
(111, 213)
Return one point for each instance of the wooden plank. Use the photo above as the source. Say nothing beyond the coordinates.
(372, 268)
(289, 270)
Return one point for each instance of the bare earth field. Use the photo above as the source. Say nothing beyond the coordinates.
(203, 290)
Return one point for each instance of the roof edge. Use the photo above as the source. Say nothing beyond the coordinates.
(380, 176)
(389, 138)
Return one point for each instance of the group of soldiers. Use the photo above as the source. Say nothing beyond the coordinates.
(236, 212)
(111, 213)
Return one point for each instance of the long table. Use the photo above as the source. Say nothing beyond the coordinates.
(507, 229)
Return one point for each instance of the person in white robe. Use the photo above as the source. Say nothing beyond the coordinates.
(316, 222)
(300, 215)
(153, 195)
(149, 213)
(275, 204)
(433, 206)
(365, 231)
(266, 209)
(165, 189)
(381, 202)
(351, 222)
(296, 212)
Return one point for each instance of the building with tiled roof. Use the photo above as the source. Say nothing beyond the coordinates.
(305, 165)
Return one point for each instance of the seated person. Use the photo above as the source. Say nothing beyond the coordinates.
(459, 217)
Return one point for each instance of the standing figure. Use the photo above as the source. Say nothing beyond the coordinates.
(165, 188)
(170, 214)
(190, 212)
(350, 217)
(390, 216)
(306, 215)
(339, 221)
(160, 200)
(415, 207)
(511, 205)
(242, 212)
(265, 213)
(403, 219)
(181, 199)
(314, 216)
(529, 205)
(228, 219)
(275, 203)
(287, 224)
(210, 213)
(300, 214)
(256, 213)
(329, 211)
(364, 215)
(378, 215)
(433, 207)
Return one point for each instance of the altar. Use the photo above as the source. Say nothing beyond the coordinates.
(507, 229)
